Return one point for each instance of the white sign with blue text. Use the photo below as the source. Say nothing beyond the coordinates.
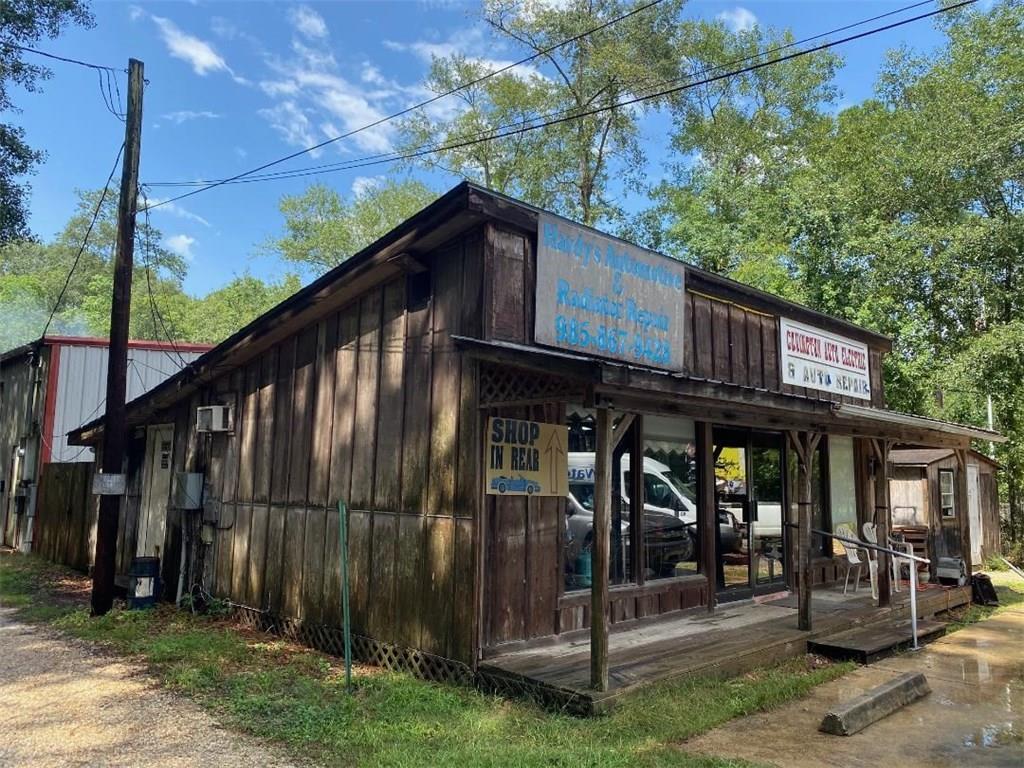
(600, 296)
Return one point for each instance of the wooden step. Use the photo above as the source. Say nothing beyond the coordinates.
(875, 641)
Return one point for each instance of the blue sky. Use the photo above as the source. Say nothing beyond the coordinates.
(233, 85)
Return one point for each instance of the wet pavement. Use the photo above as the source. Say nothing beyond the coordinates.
(973, 717)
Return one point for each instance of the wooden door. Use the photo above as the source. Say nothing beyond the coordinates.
(974, 512)
(156, 488)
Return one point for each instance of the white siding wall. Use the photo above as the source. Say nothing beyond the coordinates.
(82, 389)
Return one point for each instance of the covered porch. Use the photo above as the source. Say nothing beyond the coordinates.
(733, 639)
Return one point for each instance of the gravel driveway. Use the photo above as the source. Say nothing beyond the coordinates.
(64, 704)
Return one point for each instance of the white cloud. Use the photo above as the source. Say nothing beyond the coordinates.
(183, 115)
(135, 13)
(738, 19)
(173, 209)
(471, 43)
(181, 245)
(223, 28)
(308, 22)
(241, 152)
(363, 184)
(289, 120)
(202, 56)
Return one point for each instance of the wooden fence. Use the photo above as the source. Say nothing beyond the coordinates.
(66, 511)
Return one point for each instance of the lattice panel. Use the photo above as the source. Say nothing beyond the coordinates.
(365, 649)
(506, 384)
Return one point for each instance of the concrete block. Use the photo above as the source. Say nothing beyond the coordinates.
(857, 714)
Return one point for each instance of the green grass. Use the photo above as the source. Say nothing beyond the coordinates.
(295, 696)
(1010, 588)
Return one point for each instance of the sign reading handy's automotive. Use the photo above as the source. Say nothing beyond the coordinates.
(527, 458)
(600, 296)
(820, 360)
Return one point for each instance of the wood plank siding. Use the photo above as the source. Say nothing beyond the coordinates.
(371, 405)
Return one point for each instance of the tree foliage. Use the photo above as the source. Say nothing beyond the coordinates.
(322, 228)
(566, 167)
(23, 23)
(902, 213)
(32, 275)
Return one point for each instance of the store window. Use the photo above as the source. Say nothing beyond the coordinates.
(671, 540)
(947, 493)
(579, 509)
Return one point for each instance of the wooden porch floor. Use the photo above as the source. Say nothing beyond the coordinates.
(733, 639)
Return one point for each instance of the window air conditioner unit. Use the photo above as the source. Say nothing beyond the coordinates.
(213, 418)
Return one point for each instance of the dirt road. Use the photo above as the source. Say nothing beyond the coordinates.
(974, 715)
(62, 704)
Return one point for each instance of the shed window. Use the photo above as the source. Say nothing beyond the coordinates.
(947, 494)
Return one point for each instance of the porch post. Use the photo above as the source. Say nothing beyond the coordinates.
(707, 511)
(805, 444)
(962, 511)
(601, 551)
(883, 517)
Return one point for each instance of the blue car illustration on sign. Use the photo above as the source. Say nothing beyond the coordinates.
(519, 484)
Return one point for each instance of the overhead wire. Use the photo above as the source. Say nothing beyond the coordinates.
(147, 258)
(435, 98)
(107, 77)
(85, 240)
(531, 124)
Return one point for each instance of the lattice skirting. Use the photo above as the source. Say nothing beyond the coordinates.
(365, 649)
(423, 665)
(507, 384)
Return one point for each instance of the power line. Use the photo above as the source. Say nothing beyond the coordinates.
(85, 240)
(107, 78)
(525, 126)
(65, 59)
(429, 101)
(397, 155)
(147, 253)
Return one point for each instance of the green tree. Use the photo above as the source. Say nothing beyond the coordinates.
(739, 144)
(322, 228)
(23, 23)
(568, 166)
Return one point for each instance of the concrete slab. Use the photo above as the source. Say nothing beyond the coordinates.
(974, 716)
(881, 701)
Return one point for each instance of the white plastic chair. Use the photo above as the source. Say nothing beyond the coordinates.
(853, 561)
(871, 537)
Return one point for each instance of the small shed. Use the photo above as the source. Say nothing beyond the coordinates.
(922, 490)
(47, 388)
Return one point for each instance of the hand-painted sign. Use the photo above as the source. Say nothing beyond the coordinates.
(604, 297)
(820, 360)
(526, 458)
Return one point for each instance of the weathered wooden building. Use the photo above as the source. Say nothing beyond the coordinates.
(923, 495)
(48, 387)
(377, 383)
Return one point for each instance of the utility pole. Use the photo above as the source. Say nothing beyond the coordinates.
(111, 485)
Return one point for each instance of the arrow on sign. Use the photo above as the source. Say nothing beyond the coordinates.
(553, 450)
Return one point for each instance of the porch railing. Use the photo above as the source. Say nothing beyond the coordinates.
(857, 543)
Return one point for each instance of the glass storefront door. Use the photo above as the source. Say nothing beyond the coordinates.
(750, 501)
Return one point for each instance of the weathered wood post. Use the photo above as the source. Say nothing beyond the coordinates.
(707, 509)
(805, 444)
(883, 517)
(601, 552)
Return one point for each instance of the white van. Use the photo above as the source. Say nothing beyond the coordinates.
(662, 493)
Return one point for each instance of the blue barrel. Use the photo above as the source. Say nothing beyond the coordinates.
(584, 569)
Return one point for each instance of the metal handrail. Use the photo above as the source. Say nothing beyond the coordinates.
(865, 544)
(913, 571)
